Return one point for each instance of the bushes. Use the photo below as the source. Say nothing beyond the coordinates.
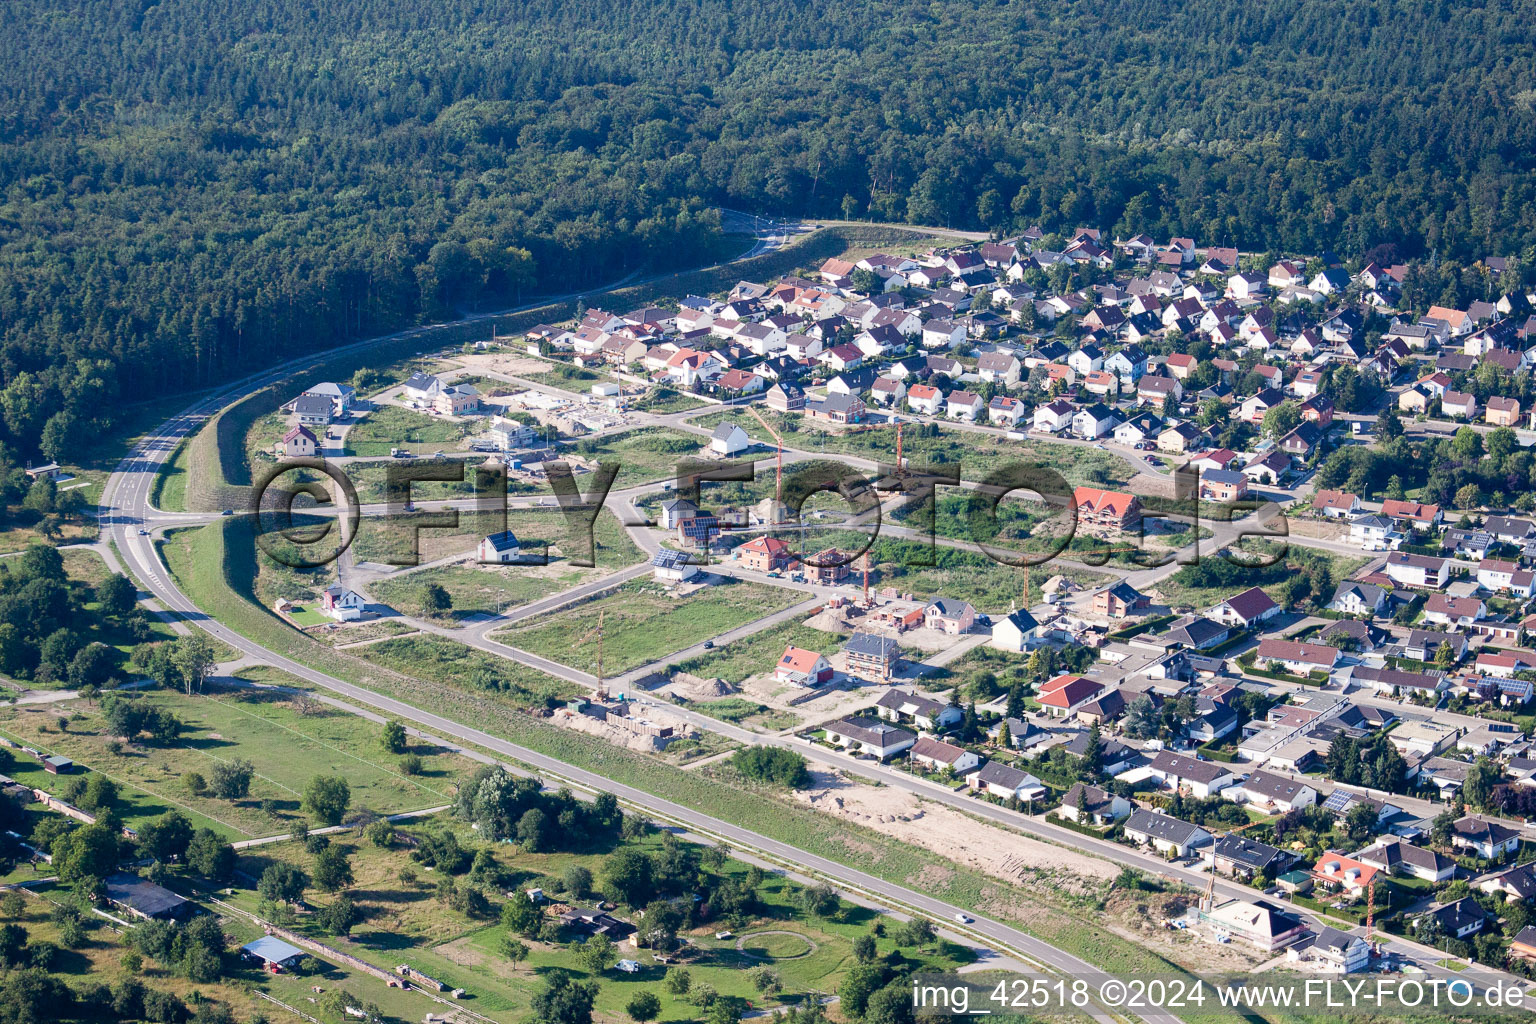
(772, 764)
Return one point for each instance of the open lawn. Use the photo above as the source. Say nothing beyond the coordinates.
(383, 539)
(480, 589)
(389, 426)
(643, 622)
(170, 490)
(989, 585)
(456, 664)
(757, 654)
(978, 453)
(98, 961)
(288, 741)
(664, 400)
(1189, 587)
(650, 453)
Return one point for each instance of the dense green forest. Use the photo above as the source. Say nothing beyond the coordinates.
(198, 186)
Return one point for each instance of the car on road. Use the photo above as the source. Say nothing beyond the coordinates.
(143, 533)
(709, 645)
(437, 455)
(963, 919)
(775, 575)
(227, 512)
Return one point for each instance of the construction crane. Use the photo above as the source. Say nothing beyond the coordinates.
(588, 635)
(778, 468)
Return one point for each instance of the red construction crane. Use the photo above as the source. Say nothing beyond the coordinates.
(778, 469)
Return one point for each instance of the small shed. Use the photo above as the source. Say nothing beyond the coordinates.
(273, 953)
(56, 764)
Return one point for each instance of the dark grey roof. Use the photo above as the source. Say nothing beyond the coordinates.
(995, 773)
(1161, 826)
(870, 645)
(142, 896)
(1250, 853)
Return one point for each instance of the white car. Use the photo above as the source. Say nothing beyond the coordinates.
(962, 919)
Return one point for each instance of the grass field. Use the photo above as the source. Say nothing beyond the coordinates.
(759, 652)
(977, 453)
(989, 585)
(665, 400)
(650, 453)
(389, 426)
(170, 490)
(456, 664)
(380, 539)
(480, 590)
(405, 924)
(1174, 592)
(287, 742)
(643, 622)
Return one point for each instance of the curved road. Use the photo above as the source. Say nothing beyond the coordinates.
(130, 521)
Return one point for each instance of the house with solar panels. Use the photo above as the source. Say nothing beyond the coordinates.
(672, 566)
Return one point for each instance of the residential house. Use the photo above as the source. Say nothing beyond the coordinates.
(1336, 504)
(998, 368)
(1064, 695)
(872, 656)
(907, 706)
(1458, 405)
(869, 736)
(1353, 598)
(1200, 778)
(1277, 792)
(800, 667)
(1399, 858)
(948, 615)
(1247, 609)
(1410, 570)
(837, 409)
(1004, 782)
(785, 397)
(1114, 510)
(925, 399)
(1239, 857)
(1169, 836)
(1332, 951)
(1297, 658)
(499, 549)
(1502, 412)
(1453, 611)
(144, 899)
(1085, 804)
(672, 566)
(1488, 839)
(1375, 533)
(729, 439)
(1223, 486)
(1014, 631)
(297, 443)
(1118, 601)
(1051, 418)
(1094, 421)
(964, 405)
(1004, 411)
(939, 756)
(1453, 920)
(764, 554)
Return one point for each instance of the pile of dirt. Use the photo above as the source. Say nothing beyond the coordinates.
(698, 688)
(619, 737)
